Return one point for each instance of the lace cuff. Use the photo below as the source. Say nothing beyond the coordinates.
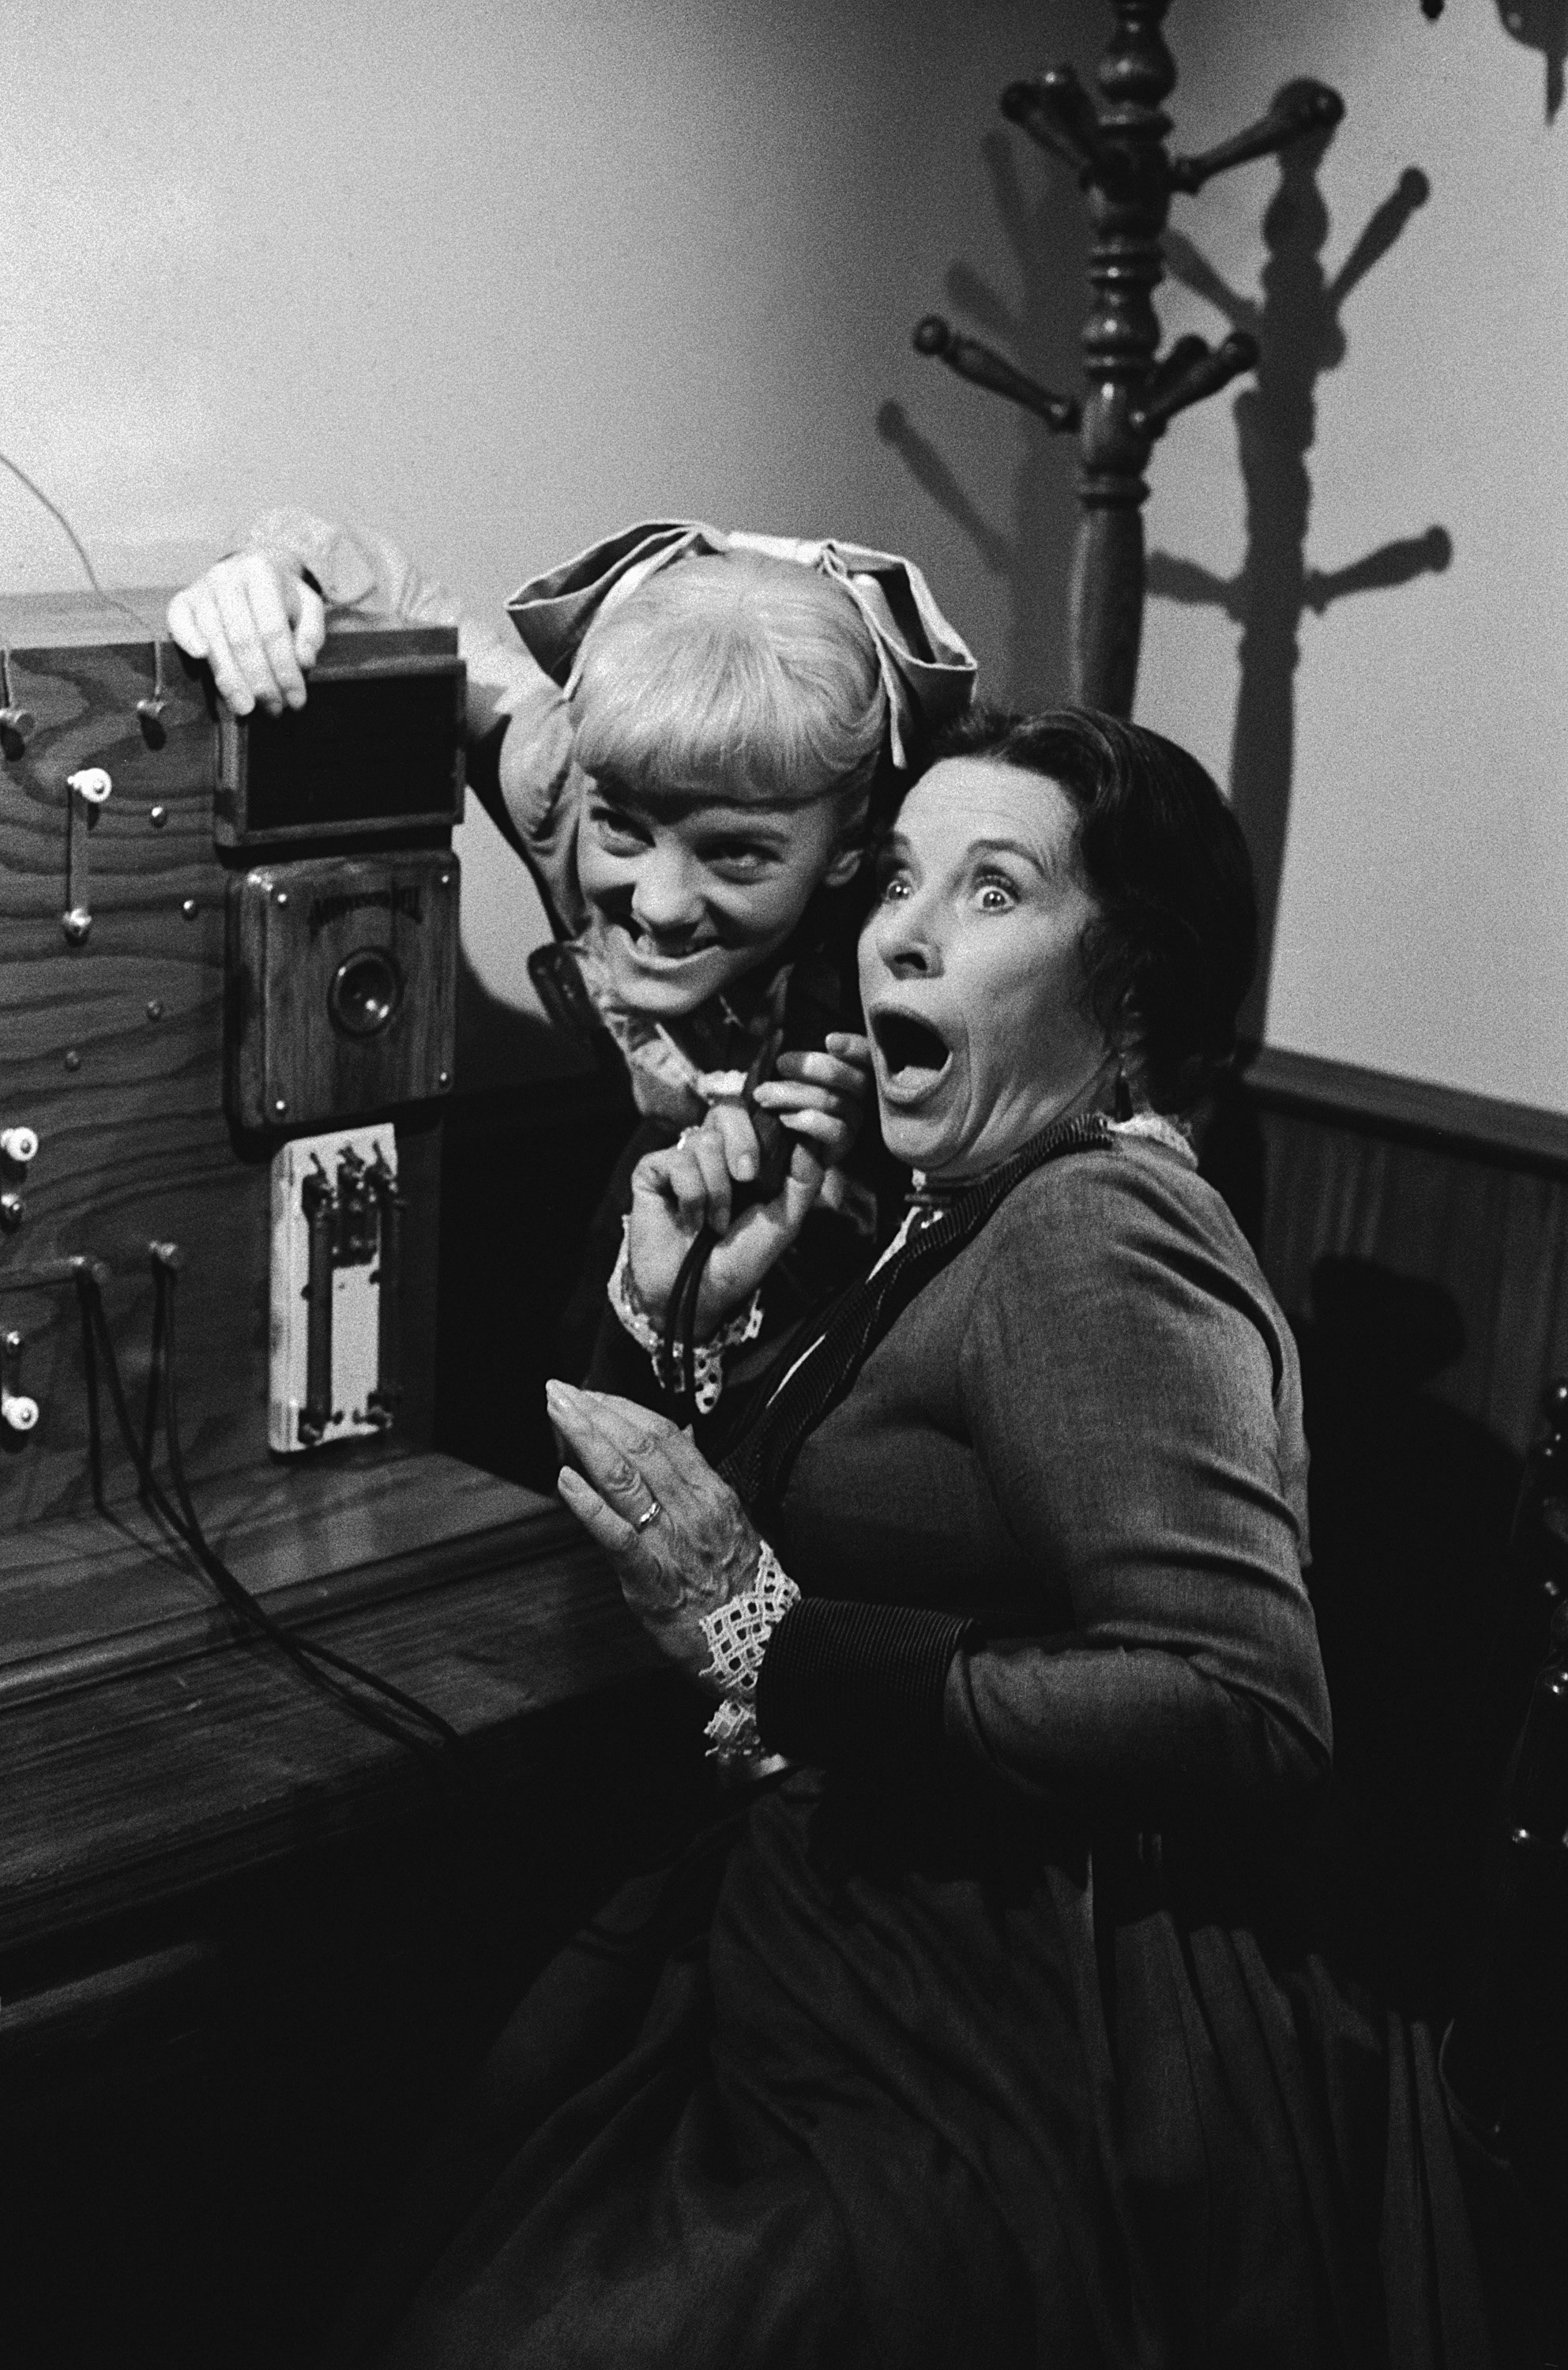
(737, 1634)
(708, 1356)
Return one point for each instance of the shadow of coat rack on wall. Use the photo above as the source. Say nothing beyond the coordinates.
(1128, 175)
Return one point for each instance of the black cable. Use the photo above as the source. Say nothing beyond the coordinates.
(680, 1319)
(99, 1341)
(696, 1261)
(155, 1361)
(89, 1374)
(249, 1608)
(441, 1728)
(444, 1749)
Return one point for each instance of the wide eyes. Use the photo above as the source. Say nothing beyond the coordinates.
(987, 891)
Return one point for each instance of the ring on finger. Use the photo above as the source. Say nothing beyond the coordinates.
(651, 1514)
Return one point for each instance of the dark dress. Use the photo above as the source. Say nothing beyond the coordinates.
(991, 2033)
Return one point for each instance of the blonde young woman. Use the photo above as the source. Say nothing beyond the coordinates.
(684, 743)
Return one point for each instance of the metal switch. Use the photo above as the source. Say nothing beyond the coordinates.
(335, 1285)
(87, 791)
(19, 1414)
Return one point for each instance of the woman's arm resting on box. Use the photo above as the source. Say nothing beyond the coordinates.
(259, 626)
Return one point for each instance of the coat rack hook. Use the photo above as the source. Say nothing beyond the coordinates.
(985, 367)
(1127, 174)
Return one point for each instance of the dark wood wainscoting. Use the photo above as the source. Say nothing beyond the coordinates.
(1460, 1199)
(1418, 1242)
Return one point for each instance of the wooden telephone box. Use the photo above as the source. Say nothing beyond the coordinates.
(215, 935)
(227, 969)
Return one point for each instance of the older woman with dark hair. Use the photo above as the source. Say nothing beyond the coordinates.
(992, 2038)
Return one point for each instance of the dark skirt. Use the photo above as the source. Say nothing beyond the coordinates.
(871, 2082)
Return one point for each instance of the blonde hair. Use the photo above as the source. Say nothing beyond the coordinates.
(734, 671)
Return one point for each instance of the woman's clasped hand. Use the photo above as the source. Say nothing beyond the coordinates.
(708, 1177)
(681, 1542)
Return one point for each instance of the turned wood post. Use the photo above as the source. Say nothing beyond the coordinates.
(1128, 201)
(1127, 174)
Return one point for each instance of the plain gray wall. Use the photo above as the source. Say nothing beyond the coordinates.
(498, 278)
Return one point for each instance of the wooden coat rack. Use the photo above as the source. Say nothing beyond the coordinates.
(1132, 392)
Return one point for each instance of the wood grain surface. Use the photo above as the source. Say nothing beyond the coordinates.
(292, 926)
(83, 1598)
(206, 1769)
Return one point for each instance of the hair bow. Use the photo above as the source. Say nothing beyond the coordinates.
(927, 669)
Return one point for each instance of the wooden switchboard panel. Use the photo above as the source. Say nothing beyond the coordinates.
(113, 1053)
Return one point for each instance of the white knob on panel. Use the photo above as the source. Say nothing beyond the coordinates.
(19, 1143)
(92, 784)
(17, 1413)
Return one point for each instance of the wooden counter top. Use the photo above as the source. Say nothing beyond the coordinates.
(146, 1750)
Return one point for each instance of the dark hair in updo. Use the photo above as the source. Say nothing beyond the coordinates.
(1172, 950)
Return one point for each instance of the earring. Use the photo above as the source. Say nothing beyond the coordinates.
(1122, 1105)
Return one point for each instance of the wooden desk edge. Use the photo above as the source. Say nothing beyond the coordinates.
(299, 1605)
(152, 1783)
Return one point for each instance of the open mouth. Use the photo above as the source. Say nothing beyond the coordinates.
(910, 1050)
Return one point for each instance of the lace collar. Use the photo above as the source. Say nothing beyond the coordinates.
(1152, 1127)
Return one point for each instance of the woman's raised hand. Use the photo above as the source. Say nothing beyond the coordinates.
(673, 1193)
(821, 1098)
(258, 625)
(697, 1550)
(818, 1098)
